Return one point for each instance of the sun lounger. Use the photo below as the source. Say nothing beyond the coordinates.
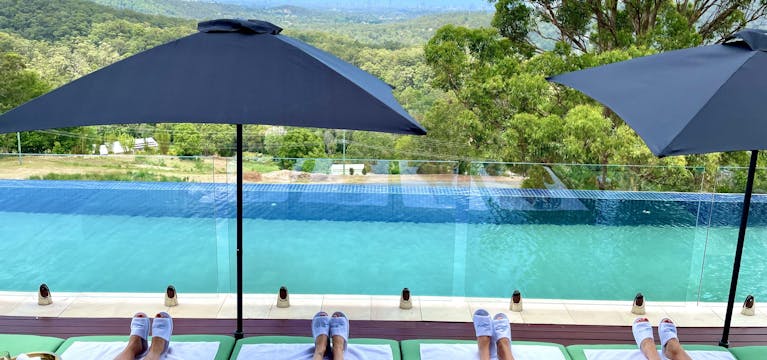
(749, 352)
(299, 348)
(198, 347)
(467, 349)
(17, 344)
(630, 352)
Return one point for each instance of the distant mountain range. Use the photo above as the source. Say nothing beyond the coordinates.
(422, 5)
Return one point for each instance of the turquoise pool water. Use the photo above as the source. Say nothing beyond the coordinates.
(115, 253)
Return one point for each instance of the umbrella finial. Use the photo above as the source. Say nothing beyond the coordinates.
(756, 39)
(239, 25)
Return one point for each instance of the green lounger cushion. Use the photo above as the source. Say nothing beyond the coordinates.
(576, 351)
(749, 352)
(17, 344)
(225, 343)
(309, 340)
(411, 349)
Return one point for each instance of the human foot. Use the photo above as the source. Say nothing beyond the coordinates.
(320, 333)
(483, 329)
(162, 329)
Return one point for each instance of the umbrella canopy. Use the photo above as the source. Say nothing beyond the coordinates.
(231, 71)
(691, 101)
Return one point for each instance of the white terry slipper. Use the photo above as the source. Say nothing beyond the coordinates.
(642, 330)
(339, 326)
(501, 327)
(139, 326)
(666, 331)
(320, 324)
(483, 326)
(162, 327)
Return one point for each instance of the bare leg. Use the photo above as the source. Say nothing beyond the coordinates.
(674, 351)
(339, 334)
(504, 349)
(338, 348)
(134, 347)
(156, 349)
(159, 345)
(483, 342)
(648, 349)
(483, 329)
(136, 344)
(320, 347)
(672, 348)
(320, 332)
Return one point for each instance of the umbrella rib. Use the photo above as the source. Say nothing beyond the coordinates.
(679, 133)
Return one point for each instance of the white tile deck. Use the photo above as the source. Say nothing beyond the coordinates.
(425, 308)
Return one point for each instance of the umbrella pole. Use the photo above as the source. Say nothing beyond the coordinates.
(739, 249)
(238, 333)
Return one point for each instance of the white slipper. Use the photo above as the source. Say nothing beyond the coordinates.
(501, 327)
(339, 326)
(642, 330)
(320, 324)
(139, 326)
(162, 327)
(666, 331)
(483, 326)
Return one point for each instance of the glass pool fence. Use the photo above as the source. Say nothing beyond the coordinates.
(359, 226)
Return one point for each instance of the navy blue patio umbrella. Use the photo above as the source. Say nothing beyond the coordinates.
(231, 71)
(692, 101)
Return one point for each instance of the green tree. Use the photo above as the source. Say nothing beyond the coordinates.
(370, 145)
(596, 25)
(186, 140)
(162, 136)
(17, 84)
(295, 144)
(220, 139)
(253, 137)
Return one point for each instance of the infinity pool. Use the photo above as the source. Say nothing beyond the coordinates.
(671, 260)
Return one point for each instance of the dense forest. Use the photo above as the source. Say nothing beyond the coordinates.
(476, 81)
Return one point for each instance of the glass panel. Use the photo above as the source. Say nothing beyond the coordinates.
(726, 211)
(581, 232)
(367, 226)
(147, 230)
(353, 227)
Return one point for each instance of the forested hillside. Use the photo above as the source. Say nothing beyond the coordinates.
(389, 27)
(477, 84)
(55, 20)
(59, 53)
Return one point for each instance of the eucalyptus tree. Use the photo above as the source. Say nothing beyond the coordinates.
(602, 25)
(498, 105)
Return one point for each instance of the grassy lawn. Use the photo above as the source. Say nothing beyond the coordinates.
(205, 169)
(113, 168)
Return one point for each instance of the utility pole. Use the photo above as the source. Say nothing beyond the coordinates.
(343, 151)
(18, 141)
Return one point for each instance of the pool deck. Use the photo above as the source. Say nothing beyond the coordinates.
(376, 308)
(566, 322)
